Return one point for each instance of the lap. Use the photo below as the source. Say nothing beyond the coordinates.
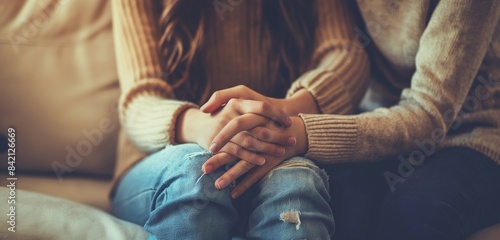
(455, 176)
(188, 159)
(182, 163)
(456, 192)
(139, 185)
(169, 187)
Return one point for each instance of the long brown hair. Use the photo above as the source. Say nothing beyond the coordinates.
(291, 25)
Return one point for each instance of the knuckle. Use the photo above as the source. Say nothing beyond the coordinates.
(236, 123)
(222, 158)
(223, 120)
(230, 175)
(247, 165)
(260, 107)
(263, 134)
(255, 131)
(241, 88)
(258, 146)
(268, 148)
(231, 102)
(247, 142)
(217, 94)
(237, 150)
(251, 158)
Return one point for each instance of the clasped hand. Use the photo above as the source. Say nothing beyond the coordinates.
(249, 128)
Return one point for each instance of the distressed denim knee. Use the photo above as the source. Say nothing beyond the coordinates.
(293, 200)
(300, 163)
(182, 202)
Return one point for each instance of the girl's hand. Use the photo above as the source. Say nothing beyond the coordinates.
(198, 127)
(300, 102)
(256, 172)
(241, 115)
(221, 97)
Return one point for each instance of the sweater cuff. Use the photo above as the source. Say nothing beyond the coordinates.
(331, 138)
(314, 82)
(150, 120)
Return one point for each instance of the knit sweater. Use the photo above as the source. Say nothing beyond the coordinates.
(235, 53)
(442, 59)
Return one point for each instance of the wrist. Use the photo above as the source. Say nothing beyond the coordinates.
(298, 130)
(186, 127)
(301, 101)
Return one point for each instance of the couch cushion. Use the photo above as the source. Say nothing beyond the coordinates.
(89, 191)
(39, 216)
(59, 85)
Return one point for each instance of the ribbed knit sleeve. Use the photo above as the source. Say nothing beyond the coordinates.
(147, 109)
(447, 60)
(340, 77)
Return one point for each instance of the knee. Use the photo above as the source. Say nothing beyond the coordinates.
(186, 157)
(184, 167)
(185, 150)
(299, 168)
(183, 178)
(299, 175)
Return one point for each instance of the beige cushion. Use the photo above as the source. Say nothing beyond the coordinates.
(39, 216)
(89, 191)
(59, 85)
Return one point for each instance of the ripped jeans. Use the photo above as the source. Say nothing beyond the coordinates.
(169, 195)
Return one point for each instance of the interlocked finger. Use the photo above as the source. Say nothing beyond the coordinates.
(233, 173)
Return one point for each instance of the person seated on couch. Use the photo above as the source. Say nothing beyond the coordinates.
(441, 142)
(307, 47)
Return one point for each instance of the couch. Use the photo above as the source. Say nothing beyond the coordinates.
(59, 92)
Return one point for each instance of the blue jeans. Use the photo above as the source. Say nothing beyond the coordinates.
(169, 195)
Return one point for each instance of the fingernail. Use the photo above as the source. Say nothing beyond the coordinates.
(288, 121)
(261, 160)
(221, 183)
(213, 148)
(280, 151)
(235, 194)
(207, 169)
(292, 141)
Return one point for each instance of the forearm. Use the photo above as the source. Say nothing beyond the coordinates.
(149, 121)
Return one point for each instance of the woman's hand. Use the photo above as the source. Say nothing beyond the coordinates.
(256, 172)
(300, 102)
(221, 97)
(201, 128)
